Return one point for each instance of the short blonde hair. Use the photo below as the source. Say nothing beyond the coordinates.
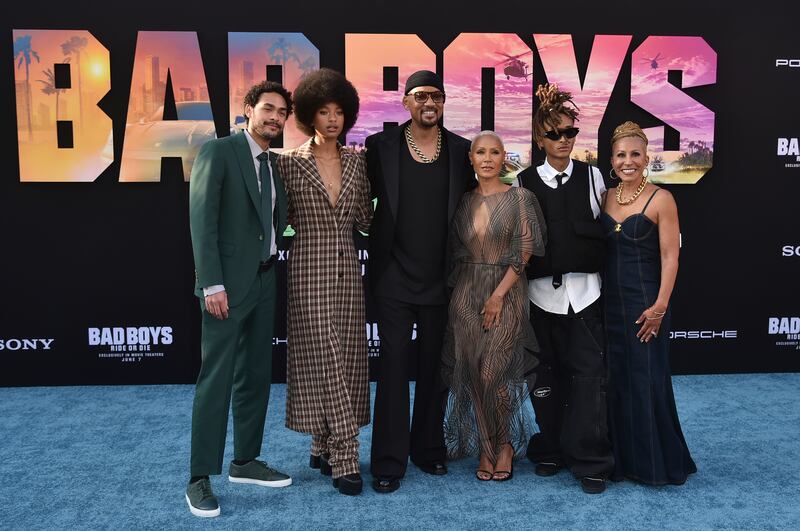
(487, 132)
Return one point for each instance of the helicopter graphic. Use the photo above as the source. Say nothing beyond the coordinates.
(514, 66)
(654, 61)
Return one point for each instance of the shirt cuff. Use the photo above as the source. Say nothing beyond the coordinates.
(211, 290)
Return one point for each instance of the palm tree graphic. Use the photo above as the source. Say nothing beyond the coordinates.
(280, 51)
(308, 65)
(74, 46)
(49, 85)
(23, 51)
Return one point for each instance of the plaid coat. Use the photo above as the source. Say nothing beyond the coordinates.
(327, 373)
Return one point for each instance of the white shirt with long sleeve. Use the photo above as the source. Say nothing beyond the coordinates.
(255, 151)
(578, 290)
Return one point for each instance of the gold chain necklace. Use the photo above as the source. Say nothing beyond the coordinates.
(632, 198)
(420, 154)
(327, 180)
(323, 171)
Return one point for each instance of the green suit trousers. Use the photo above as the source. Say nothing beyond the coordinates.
(236, 371)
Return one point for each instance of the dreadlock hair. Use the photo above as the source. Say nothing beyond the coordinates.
(552, 104)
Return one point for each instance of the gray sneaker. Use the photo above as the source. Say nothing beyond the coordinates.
(258, 473)
(201, 499)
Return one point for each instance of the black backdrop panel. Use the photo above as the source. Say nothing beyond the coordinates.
(98, 275)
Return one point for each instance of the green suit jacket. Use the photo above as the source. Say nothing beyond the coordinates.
(225, 216)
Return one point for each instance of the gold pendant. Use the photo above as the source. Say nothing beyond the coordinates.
(617, 228)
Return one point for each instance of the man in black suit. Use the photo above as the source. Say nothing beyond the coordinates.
(418, 171)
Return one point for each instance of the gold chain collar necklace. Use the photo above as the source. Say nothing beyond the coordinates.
(632, 198)
(420, 154)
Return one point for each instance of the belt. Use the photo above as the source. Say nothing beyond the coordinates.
(267, 264)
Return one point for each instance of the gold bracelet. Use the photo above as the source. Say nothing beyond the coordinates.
(654, 318)
(660, 314)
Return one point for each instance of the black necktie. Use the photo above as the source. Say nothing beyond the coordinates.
(557, 278)
(266, 204)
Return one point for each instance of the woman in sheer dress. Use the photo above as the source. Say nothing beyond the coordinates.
(488, 355)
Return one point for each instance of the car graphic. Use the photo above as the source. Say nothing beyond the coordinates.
(152, 138)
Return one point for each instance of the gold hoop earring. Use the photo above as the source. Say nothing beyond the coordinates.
(648, 173)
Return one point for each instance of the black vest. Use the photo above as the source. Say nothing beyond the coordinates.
(575, 239)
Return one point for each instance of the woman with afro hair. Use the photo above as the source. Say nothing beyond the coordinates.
(329, 197)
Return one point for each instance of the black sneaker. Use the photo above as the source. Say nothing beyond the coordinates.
(257, 473)
(545, 469)
(593, 485)
(201, 499)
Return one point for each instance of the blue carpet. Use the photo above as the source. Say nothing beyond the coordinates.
(117, 457)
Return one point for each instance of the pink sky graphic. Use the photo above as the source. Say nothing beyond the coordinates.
(558, 59)
(464, 60)
(651, 91)
(365, 57)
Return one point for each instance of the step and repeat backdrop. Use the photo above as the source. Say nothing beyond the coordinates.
(104, 108)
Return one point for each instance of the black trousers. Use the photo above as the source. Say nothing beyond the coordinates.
(570, 394)
(391, 441)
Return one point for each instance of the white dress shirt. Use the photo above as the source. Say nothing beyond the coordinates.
(578, 290)
(255, 151)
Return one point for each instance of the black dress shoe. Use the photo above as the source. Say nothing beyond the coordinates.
(385, 484)
(349, 484)
(314, 462)
(547, 469)
(593, 485)
(325, 466)
(435, 468)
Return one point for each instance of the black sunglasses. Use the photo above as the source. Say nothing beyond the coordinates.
(555, 134)
(422, 96)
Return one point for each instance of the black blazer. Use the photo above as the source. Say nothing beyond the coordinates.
(383, 168)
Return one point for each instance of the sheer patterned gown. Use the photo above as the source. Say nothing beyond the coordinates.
(490, 372)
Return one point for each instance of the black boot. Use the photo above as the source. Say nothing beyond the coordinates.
(350, 484)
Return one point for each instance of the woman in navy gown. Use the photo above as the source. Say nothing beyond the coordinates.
(641, 223)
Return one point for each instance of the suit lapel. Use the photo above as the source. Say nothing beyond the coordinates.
(305, 159)
(455, 157)
(390, 164)
(349, 165)
(246, 164)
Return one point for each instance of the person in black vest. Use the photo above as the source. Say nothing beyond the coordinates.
(564, 288)
(418, 172)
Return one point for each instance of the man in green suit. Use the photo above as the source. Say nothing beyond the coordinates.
(237, 213)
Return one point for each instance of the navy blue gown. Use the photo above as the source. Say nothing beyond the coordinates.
(649, 446)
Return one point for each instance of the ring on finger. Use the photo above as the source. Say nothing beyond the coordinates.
(653, 332)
